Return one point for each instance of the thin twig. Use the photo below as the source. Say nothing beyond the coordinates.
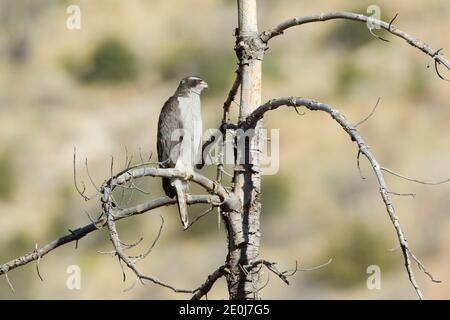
(145, 254)
(89, 175)
(37, 263)
(402, 194)
(413, 180)
(370, 114)
(199, 217)
(320, 266)
(358, 165)
(80, 192)
(10, 284)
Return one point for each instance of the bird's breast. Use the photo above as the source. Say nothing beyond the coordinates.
(191, 119)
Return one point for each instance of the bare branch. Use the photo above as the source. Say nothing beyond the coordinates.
(111, 215)
(297, 21)
(83, 231)
(114, 236)
(312, 105)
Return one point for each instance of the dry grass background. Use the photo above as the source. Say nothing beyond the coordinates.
(315, 208)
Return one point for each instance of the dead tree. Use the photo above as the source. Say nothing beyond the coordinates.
(240, 205)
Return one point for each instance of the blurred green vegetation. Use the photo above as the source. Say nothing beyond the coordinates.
(63, 211)
(7, 175)
(112, 61)
(348, 75)
(272, 65)
(19, 242)
(417, 84)
(348, 35)
(356, 249)
(20, 278)
(275, 194)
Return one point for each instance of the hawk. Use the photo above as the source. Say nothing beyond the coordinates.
(179, 142)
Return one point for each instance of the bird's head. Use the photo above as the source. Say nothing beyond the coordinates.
(194, 84)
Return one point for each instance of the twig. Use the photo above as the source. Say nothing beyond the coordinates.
(272, 267)
(377, 36)
(370, 114)
(392, 21)
(264, 285)
(80, 192)
(199, 217)
(231, 95)
(145, 254)
(10, 284)
(358, 165)
(37, 263)
(320, 266)
(422, 267)
(207, 285)
(402, 194)
(413, 180)
(132, 285)
(89, 175)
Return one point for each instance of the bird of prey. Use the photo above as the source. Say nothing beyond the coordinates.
(180, 138)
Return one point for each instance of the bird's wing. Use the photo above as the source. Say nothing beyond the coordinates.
(169, 121)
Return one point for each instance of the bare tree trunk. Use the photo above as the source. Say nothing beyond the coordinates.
(243, 226)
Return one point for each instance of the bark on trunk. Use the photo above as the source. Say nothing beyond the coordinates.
(244, 226)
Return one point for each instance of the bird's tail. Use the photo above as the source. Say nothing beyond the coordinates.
(180, 189)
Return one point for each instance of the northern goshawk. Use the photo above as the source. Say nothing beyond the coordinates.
(180, 138)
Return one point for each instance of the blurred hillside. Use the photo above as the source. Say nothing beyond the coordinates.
(101, 88)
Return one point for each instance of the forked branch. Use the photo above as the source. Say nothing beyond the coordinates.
(79, 233)
(312, 105)
(388, 26)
